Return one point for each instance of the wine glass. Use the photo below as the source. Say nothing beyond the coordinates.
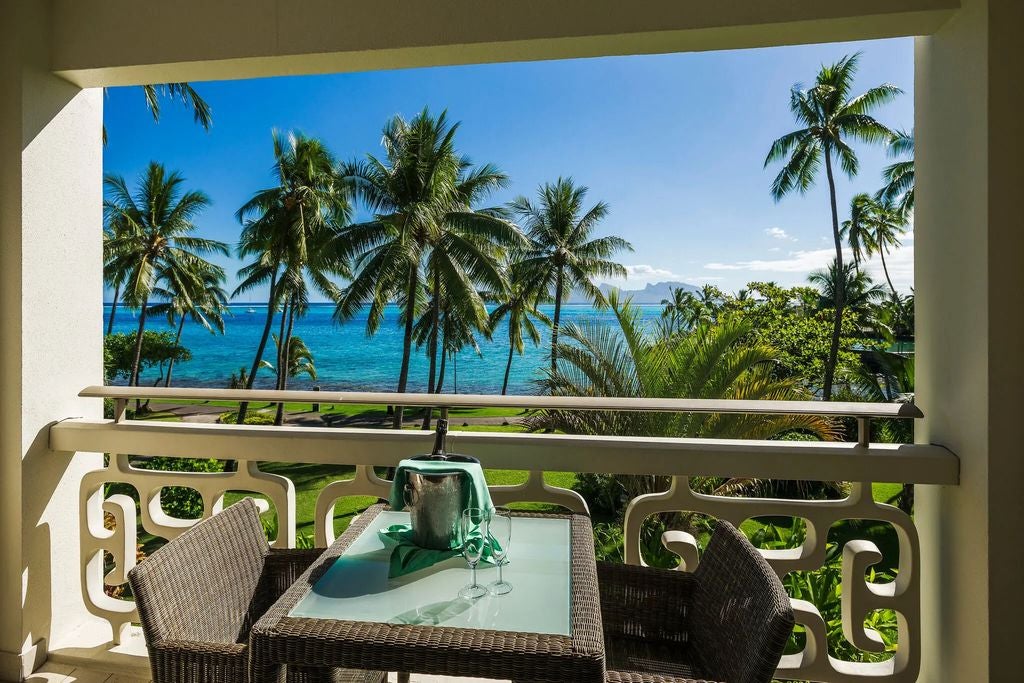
(500, 538)
(473, 535)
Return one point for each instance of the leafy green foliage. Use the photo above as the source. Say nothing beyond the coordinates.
(158, 348)
(791, 321)
(180, 501)
(608, 544)
(231, 417)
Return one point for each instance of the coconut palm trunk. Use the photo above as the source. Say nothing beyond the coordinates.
(508, 368)
(885, 269)
(435, 324)
(559, 287)
(403, 374)
(444, 361)
(177, 340)
(840, 287)
(279, 363)
(285, 363)
(281, 359)
(244, 406)
(113, 308)
(137, 355)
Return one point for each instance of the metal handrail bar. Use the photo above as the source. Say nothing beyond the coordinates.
(673, 405)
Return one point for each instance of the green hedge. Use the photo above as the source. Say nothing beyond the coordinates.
(231, 417)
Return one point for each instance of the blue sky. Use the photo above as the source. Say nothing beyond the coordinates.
(674, 143)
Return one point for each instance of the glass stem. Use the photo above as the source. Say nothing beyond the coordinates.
(500, 565)
(474, 575)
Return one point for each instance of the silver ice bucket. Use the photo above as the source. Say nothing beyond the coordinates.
(435, 507)
(435, 501)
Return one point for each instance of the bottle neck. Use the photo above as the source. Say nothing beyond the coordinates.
(439, 436)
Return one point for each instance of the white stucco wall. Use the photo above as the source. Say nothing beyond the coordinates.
(50, 311)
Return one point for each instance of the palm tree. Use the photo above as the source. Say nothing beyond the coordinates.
(896, 318)
(712, 361)
(205, 305)
(457, 332)
(519, 303)
(299, 361)
(857, 229)
(681, 311)
(883, 377)
(875, 226)
(831, 120)
(564, 255)
(424, 229)
(899, 176)
(290, 231)
(153, 92)
(157, 243)
(184, 92)
(201, 112)
(113, 276)
(862, 295)
(239, 380)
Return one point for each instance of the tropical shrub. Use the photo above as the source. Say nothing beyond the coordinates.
(713, 360)
(158, 348)
(181, 501)
(231, 417)
(608, 544)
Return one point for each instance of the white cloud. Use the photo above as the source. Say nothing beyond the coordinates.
(773, 249)
(779, 234)
(702, 279)
(642, 274)
(900, 263)
(798, 264)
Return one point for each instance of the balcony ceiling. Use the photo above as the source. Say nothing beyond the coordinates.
(124, 42)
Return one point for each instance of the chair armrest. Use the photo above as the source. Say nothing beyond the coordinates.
(198, 661)
(645, 603)
(283, 567)
(192, 648)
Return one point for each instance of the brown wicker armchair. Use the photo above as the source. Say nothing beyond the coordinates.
(199, 595)
(728, 621)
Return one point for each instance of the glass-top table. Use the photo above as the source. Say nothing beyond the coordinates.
(344, 611)
(357, 587)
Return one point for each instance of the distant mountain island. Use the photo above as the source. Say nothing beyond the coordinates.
(651, 294)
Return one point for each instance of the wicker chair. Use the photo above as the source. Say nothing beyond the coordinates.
(728, 621)
(199, 595)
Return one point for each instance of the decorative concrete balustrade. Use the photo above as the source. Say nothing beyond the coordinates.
(679, 459)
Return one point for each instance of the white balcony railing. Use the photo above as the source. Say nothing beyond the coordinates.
(860, 463)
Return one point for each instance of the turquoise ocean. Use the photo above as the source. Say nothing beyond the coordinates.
(347, 359)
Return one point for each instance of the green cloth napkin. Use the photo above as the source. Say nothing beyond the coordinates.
(407, 557)
(474, 486)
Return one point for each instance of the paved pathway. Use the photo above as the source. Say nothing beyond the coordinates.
(208, 414)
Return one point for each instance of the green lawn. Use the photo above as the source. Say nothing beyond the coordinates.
(357, 410)
(310, 479)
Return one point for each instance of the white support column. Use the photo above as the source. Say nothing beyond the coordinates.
(50, 322)
(970, 367)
